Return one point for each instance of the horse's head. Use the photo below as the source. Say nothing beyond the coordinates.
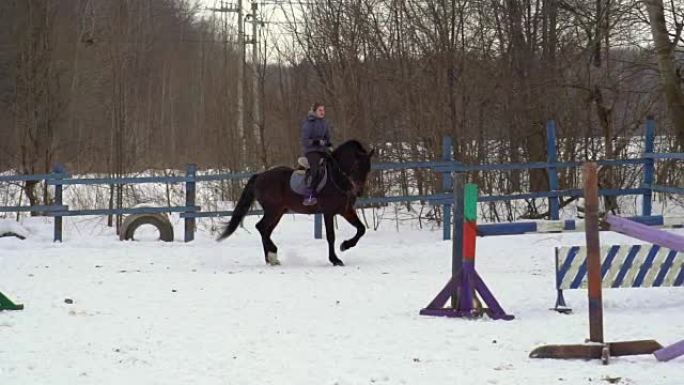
(355, 161)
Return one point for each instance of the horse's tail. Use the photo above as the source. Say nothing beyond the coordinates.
(243, 205)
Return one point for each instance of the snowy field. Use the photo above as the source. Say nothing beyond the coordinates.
(208, 313)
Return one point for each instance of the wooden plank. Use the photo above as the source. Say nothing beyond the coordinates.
(579, 351)
(596, 350)
(591, 221)
(633, 348)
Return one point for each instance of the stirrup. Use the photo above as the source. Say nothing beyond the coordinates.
(310, 201)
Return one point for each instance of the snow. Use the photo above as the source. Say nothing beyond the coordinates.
(8, 226)
(148, 312)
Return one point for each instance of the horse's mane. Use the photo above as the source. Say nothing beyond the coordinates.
(352, 144)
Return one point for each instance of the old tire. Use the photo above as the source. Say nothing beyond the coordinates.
(160, 221)
(11, 234)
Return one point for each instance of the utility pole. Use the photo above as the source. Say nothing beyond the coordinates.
(241, 81)
(240, 73)
(256, 110)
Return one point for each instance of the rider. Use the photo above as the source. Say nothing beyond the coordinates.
(315, 139)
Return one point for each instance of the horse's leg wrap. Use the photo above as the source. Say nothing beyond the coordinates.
(272, 258)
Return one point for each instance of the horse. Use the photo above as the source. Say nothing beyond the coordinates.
(347, 169)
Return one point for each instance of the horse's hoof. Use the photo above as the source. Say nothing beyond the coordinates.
(337, 262)
(346, 245)
(272, 259)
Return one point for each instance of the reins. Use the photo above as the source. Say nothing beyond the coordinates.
(349, 179)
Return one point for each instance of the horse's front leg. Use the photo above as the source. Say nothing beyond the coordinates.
(330, 235)
(353, 219)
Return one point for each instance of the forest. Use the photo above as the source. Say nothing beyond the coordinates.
(125, 86)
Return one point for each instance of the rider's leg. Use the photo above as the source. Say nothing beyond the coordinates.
(313, 178)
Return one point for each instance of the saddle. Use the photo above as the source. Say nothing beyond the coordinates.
(298, 178)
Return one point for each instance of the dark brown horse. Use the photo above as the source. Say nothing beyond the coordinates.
(348, 167)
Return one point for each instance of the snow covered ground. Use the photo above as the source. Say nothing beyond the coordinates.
(209, 313)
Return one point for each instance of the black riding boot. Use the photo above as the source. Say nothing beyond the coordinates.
(313, 178)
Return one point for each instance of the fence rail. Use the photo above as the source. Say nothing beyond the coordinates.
(446, 166)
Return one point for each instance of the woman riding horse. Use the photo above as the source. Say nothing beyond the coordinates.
(348, 167)
(315, 139)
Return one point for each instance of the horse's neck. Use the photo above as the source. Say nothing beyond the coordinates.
(338, 174)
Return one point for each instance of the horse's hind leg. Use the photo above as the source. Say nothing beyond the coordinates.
(353, 219)
(266, 226)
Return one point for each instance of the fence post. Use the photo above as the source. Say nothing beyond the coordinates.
(552, 157)
(648, 167)
(190, 171)
(58, 170)
(318, 226)
(447, 183)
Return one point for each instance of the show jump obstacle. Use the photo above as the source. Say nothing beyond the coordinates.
(7, 304)
(622, 266)
(465, 283)
(596, 347)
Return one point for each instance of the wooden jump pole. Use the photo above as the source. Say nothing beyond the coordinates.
(591, 233)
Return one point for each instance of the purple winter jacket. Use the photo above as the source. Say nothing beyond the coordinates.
(315, 129)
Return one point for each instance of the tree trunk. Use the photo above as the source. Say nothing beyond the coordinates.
(29, 190)
(666, 62)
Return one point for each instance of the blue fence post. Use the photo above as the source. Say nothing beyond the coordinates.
(58, 170)
(552, 157)
(447, 183)
(190, 172)
(318, 226)
(646, 206)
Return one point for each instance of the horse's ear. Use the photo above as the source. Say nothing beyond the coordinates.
(371, 153)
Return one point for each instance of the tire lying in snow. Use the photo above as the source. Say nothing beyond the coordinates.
(160, 221)
(11, 234)
(10, 228)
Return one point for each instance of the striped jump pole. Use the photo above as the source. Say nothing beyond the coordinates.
(596, 347)
(465, 283)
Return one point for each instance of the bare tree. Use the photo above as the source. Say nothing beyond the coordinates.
(669, 76)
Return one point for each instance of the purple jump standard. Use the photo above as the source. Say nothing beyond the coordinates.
(465, 283)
